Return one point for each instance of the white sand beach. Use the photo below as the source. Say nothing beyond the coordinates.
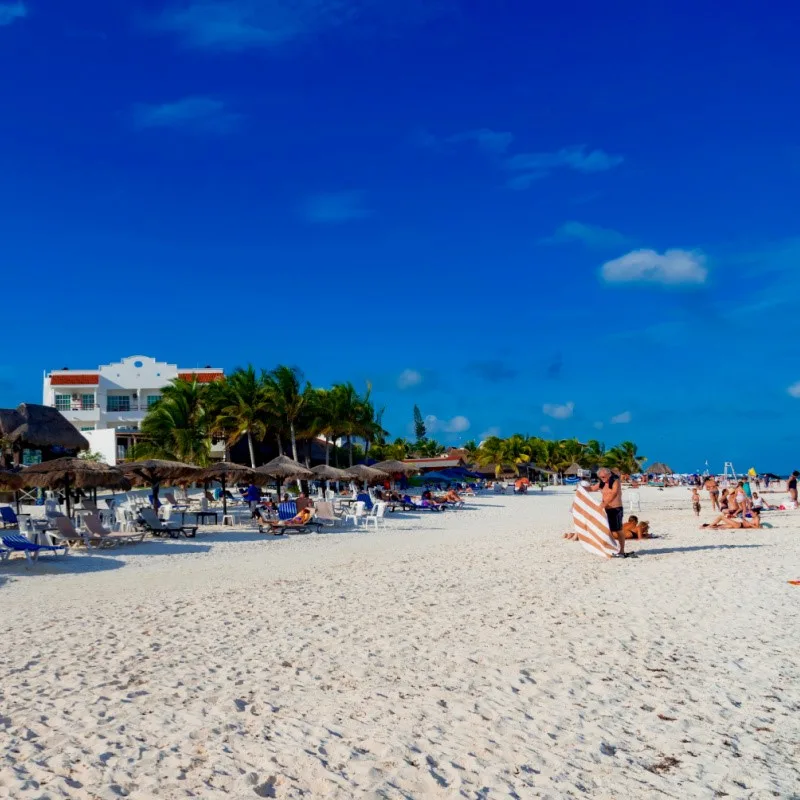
(468, 654)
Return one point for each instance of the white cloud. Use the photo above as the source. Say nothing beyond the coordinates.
(493, 431)
(336, 207)
(492, 142)
(672, 268)
(598, 425)
(590, 235)
(529, 167)
(457, 424)
(622, 419)
(409, 378)
(10, 12)
(546, 429)
(236, 25)
(794, 389)
(559, 411)
(196, 113)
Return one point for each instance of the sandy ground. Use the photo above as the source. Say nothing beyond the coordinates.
(469, 654)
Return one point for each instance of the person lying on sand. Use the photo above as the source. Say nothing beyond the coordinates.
(723, 521)
(633, 529)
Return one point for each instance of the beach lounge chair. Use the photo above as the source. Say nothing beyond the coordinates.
(287, 510)
(17, 543)
(105, 537)
(174, 502)
(423, 505)
(326, 514)
(8, 517)
(278, 527)
(152, 523)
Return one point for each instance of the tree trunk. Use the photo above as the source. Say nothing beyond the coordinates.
(251, 448)
(327, 452)
(294, 441)
(350, 448)
(307, 452)
(280, 444)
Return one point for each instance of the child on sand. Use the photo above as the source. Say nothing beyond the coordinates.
(696, 502)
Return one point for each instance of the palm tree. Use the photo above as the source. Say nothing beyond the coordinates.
(243, 408)
(490, 453)
(289, 398)
(515, 451)
(176, 427)
(625, 458)
(471, 448)
(348, 414)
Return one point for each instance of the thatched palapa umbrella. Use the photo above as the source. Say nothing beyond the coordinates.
(367, 474)
(659, 468)
(324, 472)
(13, 481)
(392, 466)
(66, 473)
(154, 471)
(221, 472)
(284, 468)
(38, 427)
(573, 469)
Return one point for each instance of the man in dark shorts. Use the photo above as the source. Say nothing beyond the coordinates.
(611, 487)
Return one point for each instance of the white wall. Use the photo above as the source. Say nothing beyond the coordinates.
(104, 442)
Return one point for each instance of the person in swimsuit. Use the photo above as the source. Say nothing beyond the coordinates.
(611, 487)
(791, 486)
(730, 522)
(712, 487)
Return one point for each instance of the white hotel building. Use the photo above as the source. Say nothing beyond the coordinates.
(108, 404)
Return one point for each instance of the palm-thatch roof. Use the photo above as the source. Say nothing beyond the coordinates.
(573, 469)
(39, 426)
(224, 471)
(324, 472)
(156, 470)
(75, 472)
(284, 467)
(365, 473)
(10, 480)
(659, 468)
(392, 466)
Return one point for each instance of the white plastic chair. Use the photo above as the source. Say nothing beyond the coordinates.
(358, 514)
(378, 514)
(633, 499)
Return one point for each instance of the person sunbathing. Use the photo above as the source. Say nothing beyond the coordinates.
(633, 529)
(451, 497)
(301, 518)
(723, 521)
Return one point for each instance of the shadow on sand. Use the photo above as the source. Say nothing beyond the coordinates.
(654, 551)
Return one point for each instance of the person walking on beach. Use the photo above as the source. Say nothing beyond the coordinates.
(253, 498)
(611, 487)
(791, 486)
(696, 501)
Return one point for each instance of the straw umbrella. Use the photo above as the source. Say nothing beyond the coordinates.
(367, 474)
(153, 471)
(392, 466)
(40, 428)
(221, 472)
(573, 469)
(659, 468)
(326, 473)
(66, 473)
(13, 481)
(284, 468)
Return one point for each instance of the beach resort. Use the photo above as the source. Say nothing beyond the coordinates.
(423, 627)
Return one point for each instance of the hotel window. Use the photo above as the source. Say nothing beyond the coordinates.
(63, 402)
(87, 402)
(87, 427)
(118, 403)
(152, 399)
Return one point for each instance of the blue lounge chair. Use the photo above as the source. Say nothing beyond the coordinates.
(17, 543)
(287, 511)
(8, 517)
(365, 499)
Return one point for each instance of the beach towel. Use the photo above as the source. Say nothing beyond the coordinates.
(591, 525)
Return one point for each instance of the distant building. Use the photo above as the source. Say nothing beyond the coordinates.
(107, 404)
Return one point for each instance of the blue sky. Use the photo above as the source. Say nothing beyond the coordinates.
(567, 219)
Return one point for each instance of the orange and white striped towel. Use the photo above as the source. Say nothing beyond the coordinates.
(591, 524)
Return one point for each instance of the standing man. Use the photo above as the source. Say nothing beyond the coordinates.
(253, 498)
(611, 487)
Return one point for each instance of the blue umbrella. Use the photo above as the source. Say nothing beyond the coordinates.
(437, 477)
